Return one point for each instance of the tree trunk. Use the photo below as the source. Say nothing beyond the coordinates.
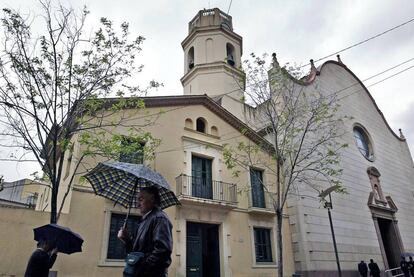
(279, 217)
(53, 205)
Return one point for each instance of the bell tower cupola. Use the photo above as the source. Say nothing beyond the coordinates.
(212, 56)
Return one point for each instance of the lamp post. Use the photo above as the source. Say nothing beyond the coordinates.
(328, 205)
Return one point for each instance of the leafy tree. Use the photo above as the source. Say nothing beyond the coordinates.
(58, 85)
(301, 122)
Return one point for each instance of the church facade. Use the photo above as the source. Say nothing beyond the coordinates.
(374, 220)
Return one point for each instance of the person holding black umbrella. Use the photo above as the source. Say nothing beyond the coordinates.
(153, 237)
(42, 259)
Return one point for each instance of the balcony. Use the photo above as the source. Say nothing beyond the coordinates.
(263, 205)
(202, 191)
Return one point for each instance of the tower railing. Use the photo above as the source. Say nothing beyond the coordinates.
(210, 17)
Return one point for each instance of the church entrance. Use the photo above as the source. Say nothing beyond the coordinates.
(384, 211)
(203, 254)
(390, 240)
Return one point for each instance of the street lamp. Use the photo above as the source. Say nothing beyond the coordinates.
(328, 205)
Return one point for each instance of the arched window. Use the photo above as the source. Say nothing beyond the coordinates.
(189, 123)
(190, 58)
(201, 125)
(214, 131)
(363, 142)
(230, 54)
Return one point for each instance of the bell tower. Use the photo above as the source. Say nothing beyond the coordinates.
(212, 56)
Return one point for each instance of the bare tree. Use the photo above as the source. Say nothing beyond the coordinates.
(300, 121)
(56, 85)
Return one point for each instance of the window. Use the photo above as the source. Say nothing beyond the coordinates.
(132, 151)
(116, 249)
(256, 181)
(201, 125)
(190, 58)
(32, 199)
(201, 177)
(363, 143)
(230, 54)
(262, 245)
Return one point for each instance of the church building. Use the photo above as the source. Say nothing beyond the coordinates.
(374, 219)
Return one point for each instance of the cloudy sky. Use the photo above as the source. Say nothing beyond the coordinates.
(296, 30)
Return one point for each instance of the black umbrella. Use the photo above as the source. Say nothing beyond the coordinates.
(407, 254)
(120, 182)
(67, 241)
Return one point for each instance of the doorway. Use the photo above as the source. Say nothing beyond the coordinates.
(203, 254)
(390, 241)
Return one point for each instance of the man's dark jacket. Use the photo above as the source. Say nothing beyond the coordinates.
(363, 269)
(411, 267)
(404, 267)
(374, 270)
(39, 264)
(153, 238)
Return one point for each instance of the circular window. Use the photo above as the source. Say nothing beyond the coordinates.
(363, 143)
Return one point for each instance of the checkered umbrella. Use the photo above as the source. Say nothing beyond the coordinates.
(120, 182)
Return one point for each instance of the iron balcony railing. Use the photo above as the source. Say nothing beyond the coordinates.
(206, 188)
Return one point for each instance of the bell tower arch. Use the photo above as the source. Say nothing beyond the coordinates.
(212, 56)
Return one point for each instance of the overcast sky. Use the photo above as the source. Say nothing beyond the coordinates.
(296, 30)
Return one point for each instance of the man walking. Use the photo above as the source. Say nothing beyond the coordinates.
(42, 259)
(404, 267)
(374, 270)
(411, 266)
(363, 269)
(153, 237)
